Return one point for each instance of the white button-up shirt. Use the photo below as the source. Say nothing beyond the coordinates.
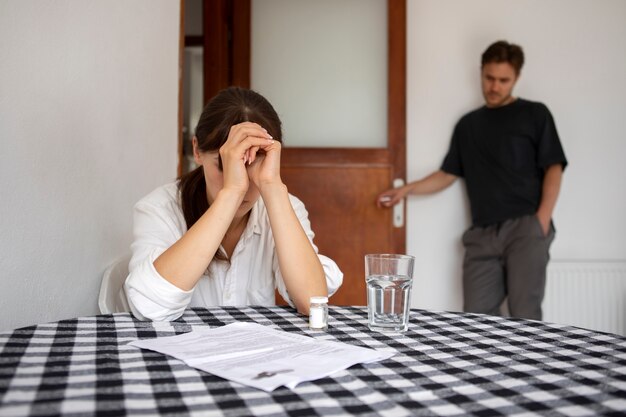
(250, 277)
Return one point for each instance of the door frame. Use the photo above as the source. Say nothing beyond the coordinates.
(227, 48)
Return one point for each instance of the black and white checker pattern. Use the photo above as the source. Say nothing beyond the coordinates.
(448, 364)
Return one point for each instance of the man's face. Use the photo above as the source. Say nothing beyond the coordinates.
(498, 80)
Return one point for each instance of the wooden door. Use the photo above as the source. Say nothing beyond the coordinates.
(338, 185)
(339, 188)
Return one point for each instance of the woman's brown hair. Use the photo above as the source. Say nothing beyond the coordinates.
(229, 107)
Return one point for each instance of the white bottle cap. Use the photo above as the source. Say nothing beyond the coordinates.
(318, 300)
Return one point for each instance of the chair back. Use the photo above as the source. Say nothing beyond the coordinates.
(112, 297)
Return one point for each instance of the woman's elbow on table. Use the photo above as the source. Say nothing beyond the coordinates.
(152, 297)
(334, 279)
(334, 276)
(153, 300)
(147, 310)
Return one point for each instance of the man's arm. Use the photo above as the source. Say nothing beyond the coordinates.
(433, 183)
(549, 194)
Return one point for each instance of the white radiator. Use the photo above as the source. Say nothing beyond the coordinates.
(587, 294)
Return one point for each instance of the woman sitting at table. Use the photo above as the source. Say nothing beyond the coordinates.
(209, 240)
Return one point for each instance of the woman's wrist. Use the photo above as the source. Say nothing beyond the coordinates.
(232, 195)
(272, 188)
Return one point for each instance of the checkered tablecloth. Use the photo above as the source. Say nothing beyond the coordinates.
(448, 364)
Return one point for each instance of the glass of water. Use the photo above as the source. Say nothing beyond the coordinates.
(389, 280)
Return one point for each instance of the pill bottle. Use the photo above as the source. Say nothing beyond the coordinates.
(318, 313)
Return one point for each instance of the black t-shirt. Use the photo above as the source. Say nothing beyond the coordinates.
(502, 153)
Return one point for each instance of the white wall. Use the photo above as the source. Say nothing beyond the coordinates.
(88, 125)
(575, 63)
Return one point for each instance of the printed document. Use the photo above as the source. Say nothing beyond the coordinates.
(261, 357)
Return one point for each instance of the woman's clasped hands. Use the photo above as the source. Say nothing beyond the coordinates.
(250, 154)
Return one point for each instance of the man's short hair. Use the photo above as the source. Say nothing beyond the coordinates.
(502, 51)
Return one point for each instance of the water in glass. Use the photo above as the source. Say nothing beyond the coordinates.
(388, 300)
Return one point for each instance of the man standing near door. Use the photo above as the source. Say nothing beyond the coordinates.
(511, 157)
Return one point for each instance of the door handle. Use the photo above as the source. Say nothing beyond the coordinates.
(398, 209)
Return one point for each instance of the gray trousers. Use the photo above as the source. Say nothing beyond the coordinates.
(508, 259)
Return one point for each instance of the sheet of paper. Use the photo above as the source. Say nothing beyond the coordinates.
(259, 356)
